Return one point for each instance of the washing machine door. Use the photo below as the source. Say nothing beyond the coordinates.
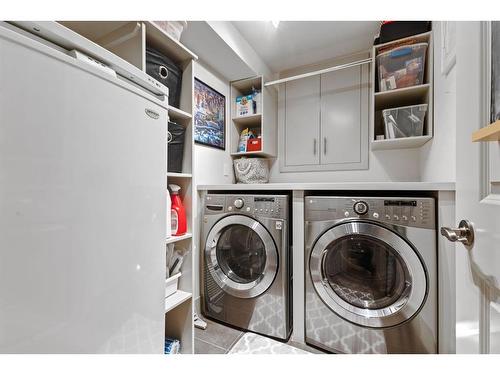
(368, 274)
(241, 256)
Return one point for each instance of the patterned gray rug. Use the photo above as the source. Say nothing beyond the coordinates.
(251, 343)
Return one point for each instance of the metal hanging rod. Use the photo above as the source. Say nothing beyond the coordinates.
(322, 71)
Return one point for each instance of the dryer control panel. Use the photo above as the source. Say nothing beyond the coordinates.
(271, 206)
(411, 212)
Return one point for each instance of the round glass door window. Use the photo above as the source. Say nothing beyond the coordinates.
(368, 274)
(241, 253)
(241, 256)
(365, 272)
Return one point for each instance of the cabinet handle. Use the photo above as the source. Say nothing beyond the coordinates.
(324, 146)
(314, 146)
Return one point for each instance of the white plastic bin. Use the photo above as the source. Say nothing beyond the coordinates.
(402, 67)
(172, 284)
(404, 122)
(172, 28)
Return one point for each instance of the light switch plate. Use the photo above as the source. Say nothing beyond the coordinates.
(227, 169)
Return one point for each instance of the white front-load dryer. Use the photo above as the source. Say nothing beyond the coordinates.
(371, 274)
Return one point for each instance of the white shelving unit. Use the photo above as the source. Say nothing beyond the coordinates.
(128, 40)
(420, 94)
(264, 122)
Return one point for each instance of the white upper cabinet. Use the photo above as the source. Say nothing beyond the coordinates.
(343, 136)
(324, 122)
(302, 116)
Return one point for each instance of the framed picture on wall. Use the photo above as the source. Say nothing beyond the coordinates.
(209, 116)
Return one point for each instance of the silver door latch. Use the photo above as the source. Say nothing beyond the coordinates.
(463, 234)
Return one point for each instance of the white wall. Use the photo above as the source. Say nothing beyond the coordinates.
(437, 157)
(211, 166)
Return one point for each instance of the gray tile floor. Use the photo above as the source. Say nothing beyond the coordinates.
(219, 339)
(216, 339)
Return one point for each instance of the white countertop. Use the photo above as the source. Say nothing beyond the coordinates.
(418, 186)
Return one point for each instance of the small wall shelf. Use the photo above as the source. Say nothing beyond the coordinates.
(171, 302)
(490, 133)
(409, 142)
(264, 122)
(406, 96)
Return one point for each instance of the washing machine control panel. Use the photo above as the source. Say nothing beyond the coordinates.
(272, 206)
(413, 212)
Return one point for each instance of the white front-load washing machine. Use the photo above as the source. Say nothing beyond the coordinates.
(246, 262)
(371, 274)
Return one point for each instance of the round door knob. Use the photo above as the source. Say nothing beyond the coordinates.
(239, 203)
(360, 207)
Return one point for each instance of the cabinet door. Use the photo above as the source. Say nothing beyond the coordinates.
(302, 115)
(344, 124)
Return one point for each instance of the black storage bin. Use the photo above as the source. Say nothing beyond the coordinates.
(401, 29)
(176, 137)
(165, 71)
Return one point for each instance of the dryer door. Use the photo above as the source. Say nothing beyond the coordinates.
(368, 274)
(241, 256)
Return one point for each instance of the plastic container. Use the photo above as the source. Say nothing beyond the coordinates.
(404, 122)
(169, 215)
(172, 28)
(175, 139)
(172, 284)
(165, 71)
(402, 67)
(179, 222)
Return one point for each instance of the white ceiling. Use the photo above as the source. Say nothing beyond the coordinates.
(297, 43)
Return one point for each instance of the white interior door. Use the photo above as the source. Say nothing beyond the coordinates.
(477, 199)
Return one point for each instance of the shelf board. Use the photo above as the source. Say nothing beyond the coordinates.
(401, 97)
(397, 143)
(178, 115)
(179, 175)
(174, 239)
(490, 133)
(245, 85)
(171, 302)
(163, 42)
(248, 120)
(252, 153)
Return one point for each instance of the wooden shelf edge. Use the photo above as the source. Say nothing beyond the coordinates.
(399, 143)
(179, 175)
(176, 113)
(253, 153)
(490, 133)
(174, 239)
(174, 300)
(422, 87)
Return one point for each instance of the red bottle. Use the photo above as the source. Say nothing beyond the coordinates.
(179, 222)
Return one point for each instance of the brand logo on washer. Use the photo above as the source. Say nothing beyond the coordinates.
(152, 114)
(279, 225)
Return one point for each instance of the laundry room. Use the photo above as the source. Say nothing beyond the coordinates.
(220, 185)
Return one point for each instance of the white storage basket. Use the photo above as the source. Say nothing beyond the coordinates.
(251, 170)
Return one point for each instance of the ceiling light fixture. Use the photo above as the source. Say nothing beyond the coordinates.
(275, 24)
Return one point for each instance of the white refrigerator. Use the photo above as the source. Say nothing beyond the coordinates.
(82, 200)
